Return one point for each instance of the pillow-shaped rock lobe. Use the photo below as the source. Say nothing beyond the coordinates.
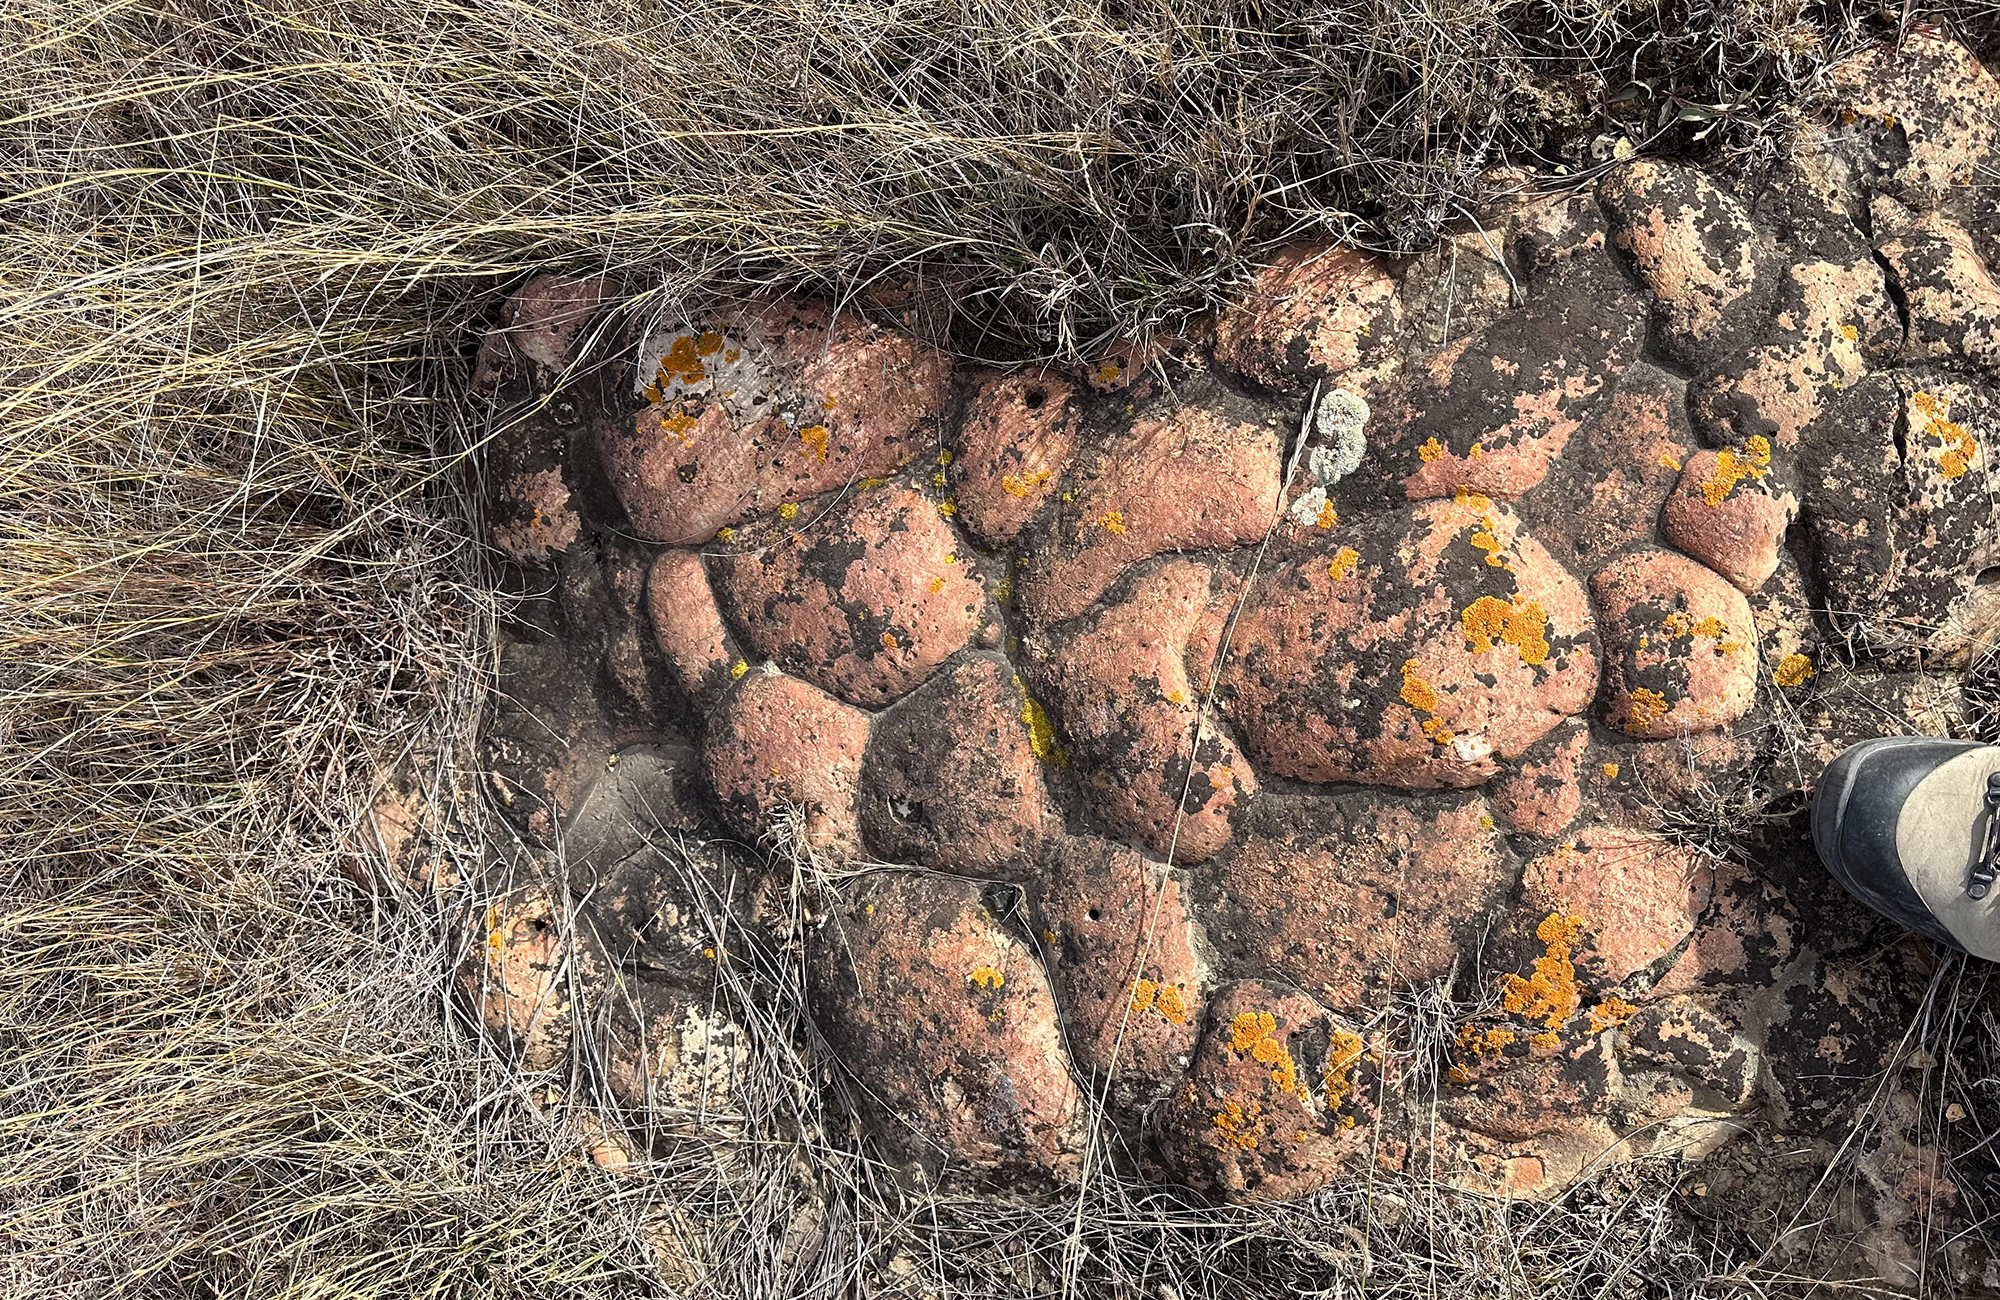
(865, 600)
(1680, 646)
(1014, 442)
(1315, 313)
(1418, 651)
(1118, 681)
(756, 408)
(946, 1020)
(778, 743)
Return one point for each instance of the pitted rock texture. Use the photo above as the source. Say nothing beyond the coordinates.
(1194, 755)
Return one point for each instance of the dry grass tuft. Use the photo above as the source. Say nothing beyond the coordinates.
(247, 247)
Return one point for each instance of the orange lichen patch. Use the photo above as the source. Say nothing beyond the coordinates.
(1614, 1010)
(1343, 1049)
(1431, 450)
(1113, 522)
(889, 641)
(683, 361)
(1644, 707)
(1026, 483)
(1108, 373)
(1489, 621)
(1343, 564)
(987, 977)
(1240, 1127)
(676, 424)
(1711, 627)
(1550, 994)
(1792, 670)
(1041, 731)
(1733, 467)
(1328, 517)
(1465, 496)
(1960, 449)
(1669, 462)
(1546, 1041)
(1484, 540)
(1254, 1034)
(937, 585)
(1167, 999)
(814, 437)
(1610, 771)
(1177, 696)
(1850, 332)
(1416, 692)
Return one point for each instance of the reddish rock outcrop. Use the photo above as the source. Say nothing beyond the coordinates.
(1418, 649)
(1730, 513)
(1014, 443)
(1637, 895)
(687, 625)
(1281, 1099)
(1121, 953)
(1680, 646)
(1316, 313)
(1695, 249)
(779, 401)
(779, 743)
(948, 1027)
(540, 329)
(1544, 793)
(1179, 480)
(952, 780)
(864, 599)
(1118, 681)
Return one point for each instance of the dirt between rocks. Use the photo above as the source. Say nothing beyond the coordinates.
(1407, 633)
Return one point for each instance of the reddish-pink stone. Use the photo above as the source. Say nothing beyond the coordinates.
(778, 743)
(781, 401)
(948, 1025)
(1639, 896)
(1118, 682)
(952, 780)
(1178, 481)
(864, 600)
(1542, 796)
(1680, 647)
(1923, 106)
(539, 329)
(1280, 1102)
(1432, 644)
(1733, 525)
(1121, 954)
(513, 970)
(1350, 898)
(1316, 313)
(1833, 319)
(1016, 440)
(1695, 249)
(687, 625)
(536, 517)
(1952, 300)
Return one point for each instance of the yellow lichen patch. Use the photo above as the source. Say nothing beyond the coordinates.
(871, 483)
(938, 479)
(737, 669)
(1239, 1126)
(1489, 621)
(1733, 467)
(1416, 692)
(1041, 731)
(1474, 452)
(814, 436)
(1255, 1034)
(1711, 627)
(1003, 588)
(1465, 496)
(1113, 522)
(1108, 373)
(987, 977)
(1614, 1010)
(937, 585)
(1669, 462)
(1020, 487)
(1960, 449)
(1643, 708)
(1850, 333)
(1484, 540)
(789, 510)
(1431, 450)
(1343, 564)
(1610, 771)
(676, 425)
(1327, 516)
(947, 508)
(1144, 991)
(1550, 994)
(725, 535)
(1177, 696)
(945, 456)
(1792, 670)
(1545, 1041)
(1343, 1049)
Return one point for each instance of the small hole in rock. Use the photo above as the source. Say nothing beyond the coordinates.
(1988, 577)
(1035, 398)
(1096, 914)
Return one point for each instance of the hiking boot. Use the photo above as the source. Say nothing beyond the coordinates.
(1909, 825)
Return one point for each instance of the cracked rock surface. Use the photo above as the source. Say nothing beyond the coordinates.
(1312, 788)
